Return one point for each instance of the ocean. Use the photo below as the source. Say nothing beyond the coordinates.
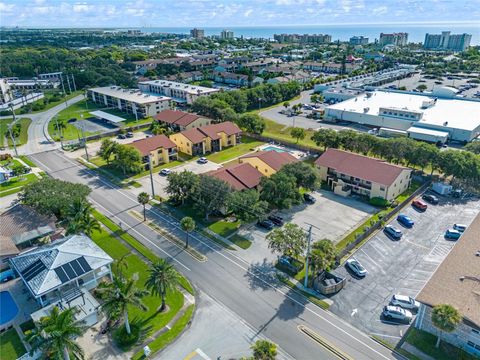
(416, 32)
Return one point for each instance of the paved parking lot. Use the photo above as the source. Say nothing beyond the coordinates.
(160, 181)
(399, 266)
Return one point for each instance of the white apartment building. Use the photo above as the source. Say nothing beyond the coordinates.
(397, 39)
(447, 41)
(129, 100)
(179, 92)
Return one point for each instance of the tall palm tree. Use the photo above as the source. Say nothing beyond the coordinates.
(162, 278)
(143, 198)
(54, 335)
(79, 218)
(446, 318)
(119, 295)
(188, 225)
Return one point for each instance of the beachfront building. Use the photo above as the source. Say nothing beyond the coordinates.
(397, 39)
(181, 120)
(131, 101)
(358, 40)
(447, 41)
(62, 274)
(179, 92)
(432, 117)
(226, 34)
(456, 282)
(348, 173)
(268, 162)
(209, 138)
(198, 34)
(158, 149)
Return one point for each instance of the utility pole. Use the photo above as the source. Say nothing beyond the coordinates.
(68, 83)
(309, 240)
(10, 129)
(151, 174)
(63, 88)
(85, 144)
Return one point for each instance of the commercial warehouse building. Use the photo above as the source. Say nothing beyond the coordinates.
(433, 117)
(131, 101)
(179, 92)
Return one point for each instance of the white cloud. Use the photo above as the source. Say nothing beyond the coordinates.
(6, 8)
(380, 10)
(82, 7)
(248, 13)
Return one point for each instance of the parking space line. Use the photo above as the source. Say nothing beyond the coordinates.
(418, 245)
(373, 261)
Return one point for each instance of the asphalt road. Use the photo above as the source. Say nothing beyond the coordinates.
(274, 311)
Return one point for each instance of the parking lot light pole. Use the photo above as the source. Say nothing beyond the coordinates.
(309, 240)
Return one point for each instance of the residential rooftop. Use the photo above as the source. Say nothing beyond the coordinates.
(457, 280)
(360, 166)
(145, 146)
(132, 95)
(191, 89)
(177, 117)
(239, 176)
(274, 159)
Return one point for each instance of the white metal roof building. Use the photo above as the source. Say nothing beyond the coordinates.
(460, 118)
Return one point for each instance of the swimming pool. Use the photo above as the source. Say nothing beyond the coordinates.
(8, 308)
(7, 275)
(274, 148)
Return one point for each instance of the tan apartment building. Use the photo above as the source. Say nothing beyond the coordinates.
(347, 173)
(181, 120)
(159, 148)
(268, 162)
(209, 138)
(456, 282)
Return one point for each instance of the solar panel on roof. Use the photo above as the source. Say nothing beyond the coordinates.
(61, 274)
(84, 264)
(33, 270)
(76, 266)
(69, 271)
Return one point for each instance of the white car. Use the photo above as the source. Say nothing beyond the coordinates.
(165, 172)
(356, 267)
(460, 227)
(395, 313)
(202, 160)
(405, 302)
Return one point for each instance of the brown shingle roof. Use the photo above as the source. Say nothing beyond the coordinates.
(152, 143)
(274, 159)
(226, 127)
(359, 166)
(194, 135)
(445, 286)
(239, 176)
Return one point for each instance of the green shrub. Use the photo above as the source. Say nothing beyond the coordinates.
(124, 340)
(379, 202)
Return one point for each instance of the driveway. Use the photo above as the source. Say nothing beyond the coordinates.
(402, 266)
(160, 181)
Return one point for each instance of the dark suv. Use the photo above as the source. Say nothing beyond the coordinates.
(309, 198)
(432, 199)
(277, 220)
(266, 224)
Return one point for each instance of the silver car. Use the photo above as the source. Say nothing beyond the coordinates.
(405, 302)
(395, 313)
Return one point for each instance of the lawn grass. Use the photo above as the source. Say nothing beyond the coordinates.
(281, 132)
(11, 347)
(27, 161)
(152, 319)
(425, 342)
(55, 103)
(224, 228)
(247, 145)
(21, 139)
(166, 338)
(240, 241)
(16, 184)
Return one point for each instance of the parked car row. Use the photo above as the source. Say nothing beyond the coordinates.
(456, 232)
(400, 309)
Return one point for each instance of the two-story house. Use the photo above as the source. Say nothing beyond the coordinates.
(62, 274)
(181, 120)
(347, 173)
(160, 149)
(268, 162)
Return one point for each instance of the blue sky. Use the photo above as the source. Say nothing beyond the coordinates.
(230, 13)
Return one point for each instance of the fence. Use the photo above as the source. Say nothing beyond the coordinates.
(378, 224)
(295, 146)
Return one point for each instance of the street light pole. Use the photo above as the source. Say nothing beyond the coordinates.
(59, 131)
(151, 174)
(10, 129)
(85, 144)
(309, 240)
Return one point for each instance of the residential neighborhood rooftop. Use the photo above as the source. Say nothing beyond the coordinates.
(227, 127)
(145, 146)
(274, 159)
(239, 176)
(133, 95)
(457, 280)
(360, 166)
(177, 117)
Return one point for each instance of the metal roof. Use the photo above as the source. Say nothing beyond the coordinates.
(109, 117)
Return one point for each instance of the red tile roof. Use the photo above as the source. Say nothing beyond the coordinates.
(194, 135)
(359, 166)
(177, 117)
(226, 127)
(152, 143)
(239, 176)
(274, 159)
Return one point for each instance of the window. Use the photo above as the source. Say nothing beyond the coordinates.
(368, 182)
(382, 188)
(475, 331)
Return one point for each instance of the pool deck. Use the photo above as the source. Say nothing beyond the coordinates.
(281, 148)
(25, 303)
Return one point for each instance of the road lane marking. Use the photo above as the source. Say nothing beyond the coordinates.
(247, 271)
(324, 343)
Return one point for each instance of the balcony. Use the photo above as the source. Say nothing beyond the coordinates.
(348, 180)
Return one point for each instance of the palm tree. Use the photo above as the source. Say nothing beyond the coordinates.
(143, 198)
(55, 334)
(162, 278)
(79, 218)
(188, 225)
(446, 318)
(264, 350)
(90, 224)
(119, 295)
